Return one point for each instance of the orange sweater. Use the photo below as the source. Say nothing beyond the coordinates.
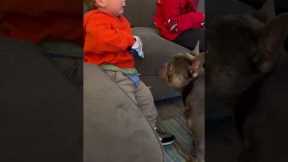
(107, 40)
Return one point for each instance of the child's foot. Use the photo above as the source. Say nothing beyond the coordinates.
(165, 138)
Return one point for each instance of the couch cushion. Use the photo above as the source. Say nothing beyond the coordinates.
(140, 13)
(114, 127)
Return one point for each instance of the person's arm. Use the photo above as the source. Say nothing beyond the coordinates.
(101, 37)
(172, 13)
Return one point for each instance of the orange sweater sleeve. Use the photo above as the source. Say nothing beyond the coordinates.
(102, 36)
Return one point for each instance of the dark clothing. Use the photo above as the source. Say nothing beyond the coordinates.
(190, 37)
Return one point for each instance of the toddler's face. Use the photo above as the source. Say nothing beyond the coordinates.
(116, 7)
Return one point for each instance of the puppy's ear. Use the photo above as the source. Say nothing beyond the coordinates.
(272, 39)
(196, 51)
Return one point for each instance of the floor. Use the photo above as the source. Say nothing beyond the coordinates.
(171, 120)
(222, 142)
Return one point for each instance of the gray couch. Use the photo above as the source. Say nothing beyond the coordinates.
(114, 127)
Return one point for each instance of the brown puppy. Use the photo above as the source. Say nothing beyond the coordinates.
(185, 72)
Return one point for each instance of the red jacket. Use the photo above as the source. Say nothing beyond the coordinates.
(107, 39)
(183, 12)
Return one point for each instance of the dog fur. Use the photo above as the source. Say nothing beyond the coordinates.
(185, 72)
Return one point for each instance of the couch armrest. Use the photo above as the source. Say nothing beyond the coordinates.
(114, 127)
